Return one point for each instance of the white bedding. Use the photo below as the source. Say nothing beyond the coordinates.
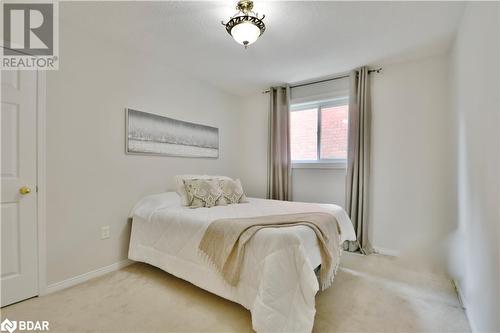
(277, 284)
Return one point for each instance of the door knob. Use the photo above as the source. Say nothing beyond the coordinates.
(25, 190)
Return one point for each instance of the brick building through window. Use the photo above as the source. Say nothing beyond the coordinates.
(319, 132)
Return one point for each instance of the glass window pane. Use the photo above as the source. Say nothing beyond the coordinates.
(304, 135)
(334, 132)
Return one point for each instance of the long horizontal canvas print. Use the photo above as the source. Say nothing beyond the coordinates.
(149, 133)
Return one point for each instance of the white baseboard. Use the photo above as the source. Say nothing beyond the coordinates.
(85, 277)
(386, 252)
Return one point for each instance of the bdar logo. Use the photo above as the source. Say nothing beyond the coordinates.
(24, 325)
(8, 325)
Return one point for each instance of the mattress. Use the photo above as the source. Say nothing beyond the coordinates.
(279, 262)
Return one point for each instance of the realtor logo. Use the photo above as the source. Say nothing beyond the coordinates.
(28, 28)
(8, 325)
(30, 35)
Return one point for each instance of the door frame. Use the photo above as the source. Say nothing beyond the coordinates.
(41, 181)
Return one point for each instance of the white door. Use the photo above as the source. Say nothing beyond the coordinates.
(19, 265)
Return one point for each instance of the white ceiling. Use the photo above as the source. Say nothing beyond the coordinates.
(303, 40)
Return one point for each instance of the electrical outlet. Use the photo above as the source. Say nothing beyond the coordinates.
(105, 232)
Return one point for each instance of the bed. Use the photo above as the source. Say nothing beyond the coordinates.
(277, 284)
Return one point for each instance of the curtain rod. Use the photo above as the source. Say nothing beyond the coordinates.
(370, 71)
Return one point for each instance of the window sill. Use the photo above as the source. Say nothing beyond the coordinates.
(319, 165)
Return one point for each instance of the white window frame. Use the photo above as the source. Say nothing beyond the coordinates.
(338, 163)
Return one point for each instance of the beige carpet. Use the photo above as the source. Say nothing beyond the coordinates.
(369, 294)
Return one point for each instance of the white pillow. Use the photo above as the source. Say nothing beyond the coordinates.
(146, 206)
(181, 189)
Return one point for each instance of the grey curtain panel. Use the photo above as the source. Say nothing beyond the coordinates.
(358, 159)
(279, 169)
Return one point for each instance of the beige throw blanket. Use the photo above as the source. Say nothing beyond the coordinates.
(224, 241)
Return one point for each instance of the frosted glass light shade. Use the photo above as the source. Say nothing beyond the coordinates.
(245, 33)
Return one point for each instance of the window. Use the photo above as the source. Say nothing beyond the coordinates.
(318, 133)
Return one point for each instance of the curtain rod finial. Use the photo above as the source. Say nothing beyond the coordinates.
(377, 70)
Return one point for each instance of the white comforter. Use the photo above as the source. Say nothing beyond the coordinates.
(277, 284)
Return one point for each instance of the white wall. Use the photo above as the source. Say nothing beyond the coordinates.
(91, 181)
(476, 114)
(319, 185)
(411, 185)
(254, 142)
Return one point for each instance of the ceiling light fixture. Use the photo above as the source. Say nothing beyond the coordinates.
(245, 26)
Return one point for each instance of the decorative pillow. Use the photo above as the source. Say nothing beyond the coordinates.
(180, 188)
(232, 191)
(204, 193)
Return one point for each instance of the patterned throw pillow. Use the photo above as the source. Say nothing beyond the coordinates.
(204, 193)
(232, 191)
(180, 188)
